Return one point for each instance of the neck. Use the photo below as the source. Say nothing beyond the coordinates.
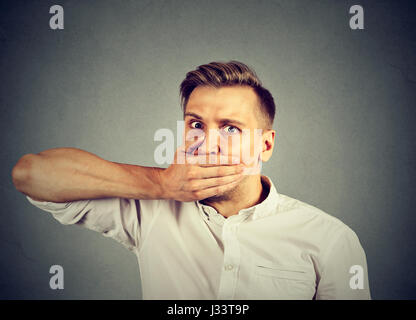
(248, 193)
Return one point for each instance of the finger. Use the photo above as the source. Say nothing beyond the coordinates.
(255, 169)
(218, 171)
(182, 156)
(195, 137)
(213, 182)
(212, 160)
(221, 160)
(213, 191)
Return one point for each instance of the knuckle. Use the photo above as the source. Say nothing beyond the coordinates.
(228, 186)
(191, 174)
(221, 180)
(196, 194)
(221, 171)
(192, 185)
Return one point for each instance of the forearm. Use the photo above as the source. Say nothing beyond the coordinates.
(69, 174)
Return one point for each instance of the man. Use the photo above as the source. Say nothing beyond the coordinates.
(203, 229)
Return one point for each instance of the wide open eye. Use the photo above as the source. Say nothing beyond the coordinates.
(231, 130)
(198, 125)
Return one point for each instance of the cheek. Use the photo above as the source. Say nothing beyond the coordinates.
(243, 148)
(235, 149)
(250, 151)
(235, 146)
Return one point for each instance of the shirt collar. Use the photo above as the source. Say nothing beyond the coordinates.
(260, 210)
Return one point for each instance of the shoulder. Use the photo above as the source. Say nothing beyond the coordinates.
(333, 241)
(317, 219)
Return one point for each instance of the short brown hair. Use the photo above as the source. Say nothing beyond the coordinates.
(232, 73)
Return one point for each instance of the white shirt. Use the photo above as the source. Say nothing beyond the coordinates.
(281, 248)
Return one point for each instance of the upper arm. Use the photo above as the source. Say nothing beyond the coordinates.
(344, 253)
(121, 219)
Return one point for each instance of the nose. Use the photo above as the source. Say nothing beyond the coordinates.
(210, 144)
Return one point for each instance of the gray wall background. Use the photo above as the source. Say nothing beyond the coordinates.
(109, 80)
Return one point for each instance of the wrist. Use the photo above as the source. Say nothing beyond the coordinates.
(159, 178)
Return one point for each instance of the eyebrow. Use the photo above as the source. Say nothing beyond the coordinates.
(225, 120)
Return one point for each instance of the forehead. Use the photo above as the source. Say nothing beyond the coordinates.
(238, 102)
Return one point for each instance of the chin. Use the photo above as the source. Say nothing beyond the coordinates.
(226, 196)
(218, 198)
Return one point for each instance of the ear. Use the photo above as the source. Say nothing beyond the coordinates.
(267, 145)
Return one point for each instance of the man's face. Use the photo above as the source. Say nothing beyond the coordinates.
(226, 121)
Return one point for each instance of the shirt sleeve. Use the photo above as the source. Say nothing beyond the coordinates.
(124, 220)
(345, 274)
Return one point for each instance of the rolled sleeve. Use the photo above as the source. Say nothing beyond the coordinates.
(117, 218)
(342, 260)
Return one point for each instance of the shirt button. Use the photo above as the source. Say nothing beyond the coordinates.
(229, 267)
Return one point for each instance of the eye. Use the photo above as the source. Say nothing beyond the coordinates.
(198, 125)
(232, 131)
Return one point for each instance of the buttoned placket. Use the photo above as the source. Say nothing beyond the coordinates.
(232, 256)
